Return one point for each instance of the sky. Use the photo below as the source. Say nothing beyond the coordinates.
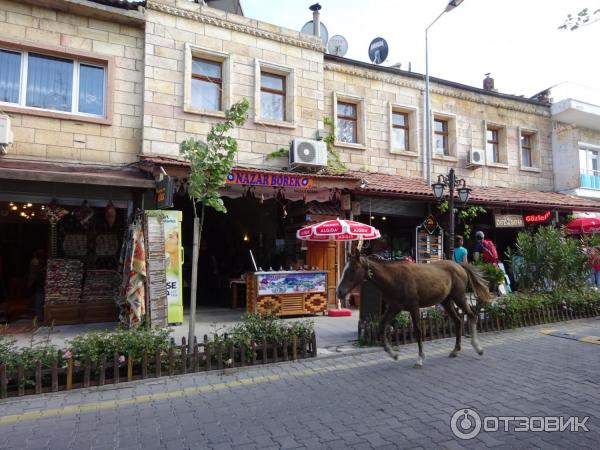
(517, 41)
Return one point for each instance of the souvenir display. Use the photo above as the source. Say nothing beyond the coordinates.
(100, 286)
(63, 281)
(75, 245)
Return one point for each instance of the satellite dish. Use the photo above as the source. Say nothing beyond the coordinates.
(337, 45)
(378, 50)
(309, 28)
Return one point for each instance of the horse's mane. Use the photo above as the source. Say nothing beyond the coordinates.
(381, 259)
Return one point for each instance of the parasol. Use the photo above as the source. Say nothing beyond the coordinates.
(338, 230)
(583, 225)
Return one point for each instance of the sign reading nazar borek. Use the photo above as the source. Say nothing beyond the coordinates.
(258, 178)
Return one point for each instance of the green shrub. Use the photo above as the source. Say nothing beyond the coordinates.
(255, 327)
(492, 274)
(547, 259)
(90, 346)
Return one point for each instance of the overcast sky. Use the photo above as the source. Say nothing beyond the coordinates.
(516, 40)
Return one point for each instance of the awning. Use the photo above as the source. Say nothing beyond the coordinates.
(416, 188)
(252, 176)
(75, 174)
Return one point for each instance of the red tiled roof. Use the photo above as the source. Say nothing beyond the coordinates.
(74, 173)
(417, 188)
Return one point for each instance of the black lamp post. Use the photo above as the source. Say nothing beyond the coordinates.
(460, 185)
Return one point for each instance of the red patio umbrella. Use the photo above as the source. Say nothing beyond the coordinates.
(583, 225)
(338, 230)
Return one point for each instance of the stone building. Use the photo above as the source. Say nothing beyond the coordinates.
(576, 141)
(100, 94)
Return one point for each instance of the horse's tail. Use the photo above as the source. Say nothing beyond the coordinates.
(477, 282)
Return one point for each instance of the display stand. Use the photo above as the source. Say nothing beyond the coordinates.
(286, 293)
(429, 243)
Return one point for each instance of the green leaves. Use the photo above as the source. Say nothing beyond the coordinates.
(211, 161)
(547, 259)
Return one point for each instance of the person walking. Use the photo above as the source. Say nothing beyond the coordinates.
(460, 252)
(485, 249)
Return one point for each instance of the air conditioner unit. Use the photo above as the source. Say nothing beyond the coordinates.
(6, 136)
(475, 158)
(308, 153)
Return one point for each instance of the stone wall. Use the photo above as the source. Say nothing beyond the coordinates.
(43, 136)
(467, 111)
(176, 28)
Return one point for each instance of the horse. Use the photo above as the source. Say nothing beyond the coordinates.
(409, 287)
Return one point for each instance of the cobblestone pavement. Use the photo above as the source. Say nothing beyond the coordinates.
(354, 400)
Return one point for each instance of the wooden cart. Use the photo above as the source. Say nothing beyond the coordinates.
(286, 293)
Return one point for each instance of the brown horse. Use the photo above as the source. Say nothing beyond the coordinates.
(408, 287)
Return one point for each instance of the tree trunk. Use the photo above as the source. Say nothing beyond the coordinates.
(198, 224)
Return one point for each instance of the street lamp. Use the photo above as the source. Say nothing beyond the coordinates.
(453, 183)
(427, 116)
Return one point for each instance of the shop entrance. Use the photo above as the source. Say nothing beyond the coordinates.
(264, 226)
(23, 244)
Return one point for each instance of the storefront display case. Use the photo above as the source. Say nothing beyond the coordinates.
(286, 293)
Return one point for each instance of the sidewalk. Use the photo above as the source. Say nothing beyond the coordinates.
(334, 334)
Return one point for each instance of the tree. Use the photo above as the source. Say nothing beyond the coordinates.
(210, 162)
(581, 19)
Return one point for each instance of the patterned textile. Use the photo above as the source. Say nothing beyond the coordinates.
(133, 305)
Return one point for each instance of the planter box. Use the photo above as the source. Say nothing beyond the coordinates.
(80, 313)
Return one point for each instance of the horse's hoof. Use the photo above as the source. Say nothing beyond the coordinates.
(480, 352)
(453, 354)
(418, 366)
(396, 356)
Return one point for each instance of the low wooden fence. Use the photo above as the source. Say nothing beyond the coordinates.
(443, 327)
(113, 369)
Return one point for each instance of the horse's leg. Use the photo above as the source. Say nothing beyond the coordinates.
(416, 320)
(386, 320)
(464, 305)
(453, 314)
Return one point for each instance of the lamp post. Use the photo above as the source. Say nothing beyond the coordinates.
(453, 184)
(427, 117)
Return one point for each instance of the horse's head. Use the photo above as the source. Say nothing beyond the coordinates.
(355, 272)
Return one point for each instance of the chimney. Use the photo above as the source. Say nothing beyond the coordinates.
(316, 19)
(488, 83)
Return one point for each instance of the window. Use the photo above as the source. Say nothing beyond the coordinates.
(440, 129)
(493, 144)
(207, 84)
(272, 96)
(51, 83)
(10, 71)
(347, 123)
(526, 150)
(400, 132)
(589, 167)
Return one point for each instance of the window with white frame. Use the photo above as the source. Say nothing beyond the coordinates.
(589, 161)
(350, 121)
(51, 83)
(528, 149)
(496, 146)
(207, 74)
(403, 129)
(274, 94)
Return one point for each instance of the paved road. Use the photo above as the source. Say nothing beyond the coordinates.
(359, 400)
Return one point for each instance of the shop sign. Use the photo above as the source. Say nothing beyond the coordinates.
(164, 193)
(256, 178)
(538, 218)
(430, 224)
(509, 221)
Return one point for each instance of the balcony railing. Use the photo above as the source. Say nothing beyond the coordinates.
(590, 179)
